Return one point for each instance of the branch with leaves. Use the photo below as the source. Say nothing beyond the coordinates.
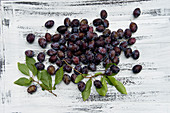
(45, 80)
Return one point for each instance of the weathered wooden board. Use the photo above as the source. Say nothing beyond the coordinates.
(148, 91)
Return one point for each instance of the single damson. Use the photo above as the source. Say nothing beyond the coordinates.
(92, 66)
(84, 21)
(97, 22)
(66, 79)
(131, 41)
(39, 66)
(53, 59)
(29, 53)
(78, 68)
(136, 12)
(116, 60)
(73, 77)
(67, 22)
(30, 38)
(127, 33)
(115, 69)
(120, 33)
(41, 56)
(137, 68)
(75, 23)
(62, 29)
(97, 83)
(31, 89)
(133, 27)
(68, 60)
(56, 37)
(76, 60)
(49, 24)
(51, 52)
(105, 23)
(108, 72)
(67, 68)
(55, 45)
(59, 63)
(81, 86)
(103, 14)
(42, 42)
(48, 37)
(51, 69)
(85, 70)
(128, 52)
(135, 54)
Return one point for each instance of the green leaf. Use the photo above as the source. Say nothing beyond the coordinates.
(120, 87)
(23, 81)
(86, 92)
(108, 65)
(30, 60)
(108, 81)
(58, 76)
(39, 75)
(113, 80)
(103, 90)
(80, 77)
(33, 69)
(23, 68)
(46, 79)
(99, 73)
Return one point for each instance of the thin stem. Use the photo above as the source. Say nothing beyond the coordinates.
(44, 87)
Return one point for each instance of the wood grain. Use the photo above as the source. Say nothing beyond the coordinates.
(148, 91)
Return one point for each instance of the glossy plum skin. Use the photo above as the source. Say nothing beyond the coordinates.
(49, 24)
(136, 69)
(32, 89)
(81, 86)
(98, 84)
(30, 38)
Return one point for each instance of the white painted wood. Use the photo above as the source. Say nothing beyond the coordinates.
(148, 91)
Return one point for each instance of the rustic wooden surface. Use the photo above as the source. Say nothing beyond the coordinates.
(148, 91)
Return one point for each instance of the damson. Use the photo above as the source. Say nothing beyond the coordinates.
(62, 29)
(55, 45)
(115, 60)
(85, 70)
(112, 54)
(39, 66)
(31, 89)
(66, 79)
(84, 28)
(78, 68)
(81, 86)
(53, 59)
(83, 59)
(59, 63)
(67, 22)
(103, 14)
(133, 27)
(69, 54)
(136, 12)
(68, 60)
(51, 69)
(67, 68)
(137, 69)
(49, 24)
(75, 23)
(102, 50)
(92, 67)
(114, 69)
(127, 33)
(131, 41)
(106, 32)
(30, 38)
(100, 28)
(123, 45)
(117, 50)
(29, 53)
(76, 60)
(115, 43)
(48, 37)
(135, 54)
(108, 40)
(108, 72)
(41, 56)
(106, 61)
(56, 37)
(73, 77)
(60, 54)
(84, 21)
(98, 84)
(42, 42)
(63, 48)
(120, 33)
(74, 30)
(114, 35)
(105, 23)
(51, 52)
(128, 52)
(97, 22)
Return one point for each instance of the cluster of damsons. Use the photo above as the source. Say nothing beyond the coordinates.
(77, 42)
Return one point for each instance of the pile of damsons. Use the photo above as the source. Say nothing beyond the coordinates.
(78, 43)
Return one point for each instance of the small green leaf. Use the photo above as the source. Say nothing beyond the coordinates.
(23, 81)
(33, 69)
(108, 65)
(39, 75)
(80, 77)
(86, 92)
(108, 81)
(58, 76)
(30, 60)
(46, 79)
(23, 68)
(103, 90)
(120, 87)
(113, 80)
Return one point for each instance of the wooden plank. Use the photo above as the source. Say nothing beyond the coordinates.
(148, 91)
